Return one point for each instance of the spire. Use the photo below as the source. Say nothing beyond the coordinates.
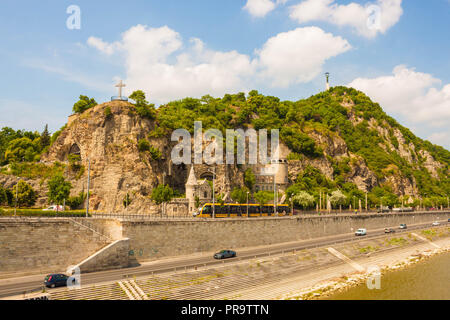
(192, 180)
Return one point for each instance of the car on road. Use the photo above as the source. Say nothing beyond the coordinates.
(403, 226)
(436, 223)
(224, 254)
(56, 280)
(361, 232)
(389, 230)
(54, 208)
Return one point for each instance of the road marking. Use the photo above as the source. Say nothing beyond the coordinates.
(139, 290)
(130, 296)
(425, 239)
(339, 255)
(130, 287)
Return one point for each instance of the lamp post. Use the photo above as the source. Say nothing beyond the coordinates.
(126, 199)
(15, 205)
(366, 203)
(213, 192)
(247, 202)
(88, 185)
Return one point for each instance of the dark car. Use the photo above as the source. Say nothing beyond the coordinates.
(224, 254)
(389, 230)
(55, 280)
(403, 226)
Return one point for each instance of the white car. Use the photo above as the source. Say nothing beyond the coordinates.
(436, 223)
(361, 232)
(54, 208)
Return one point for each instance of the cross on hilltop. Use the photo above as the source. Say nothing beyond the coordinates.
(120, 85)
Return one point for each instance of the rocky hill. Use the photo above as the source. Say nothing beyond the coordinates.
(338, 139)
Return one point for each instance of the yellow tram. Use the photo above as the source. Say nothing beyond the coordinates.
(234, 210)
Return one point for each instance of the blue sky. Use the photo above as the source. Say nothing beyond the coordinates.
(172, 49)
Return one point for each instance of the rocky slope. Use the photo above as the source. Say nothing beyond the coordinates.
(108, 135)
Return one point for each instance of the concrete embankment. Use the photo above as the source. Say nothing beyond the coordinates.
(38, 245)
(150, 240)
(41, 245)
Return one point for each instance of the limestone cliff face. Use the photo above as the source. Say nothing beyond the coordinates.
(108, 135)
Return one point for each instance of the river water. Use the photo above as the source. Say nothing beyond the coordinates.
(427, 280)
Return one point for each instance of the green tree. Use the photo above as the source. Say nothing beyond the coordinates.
(197, 201)
(337, 198)
(263, 197)
(239, 195)
(162, 194)
(58, 189)
(84, 104)
(304, 199)
(45, 138)
(126, 200)
(26, 196)
(22, 149)
(3, 196)
(76, 201)
(249, 179)
(143, 108)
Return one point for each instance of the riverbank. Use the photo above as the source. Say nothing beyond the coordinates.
(387, 264)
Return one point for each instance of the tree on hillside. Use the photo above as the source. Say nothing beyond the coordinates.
(45, 137)
(249, 179)
(3, 196)
(22, 149)
(304, 199)
(83, 104)
(162, 193)
(58, 189)
(143, 108)
(26, 196)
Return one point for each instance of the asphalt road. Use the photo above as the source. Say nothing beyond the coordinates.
(17, 286)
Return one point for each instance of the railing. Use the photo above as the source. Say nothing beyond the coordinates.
(85, 224)
(116, 98)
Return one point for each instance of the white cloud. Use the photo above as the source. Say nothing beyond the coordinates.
(367, 20)
(418, 97)
(160, 63)
(298, 55)
(260, 8)
(102, 46)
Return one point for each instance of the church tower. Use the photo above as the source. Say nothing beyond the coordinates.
(191, 188)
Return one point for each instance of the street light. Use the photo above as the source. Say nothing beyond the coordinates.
(15, 205)
(88, 185)
(213, 193)
(247, 202)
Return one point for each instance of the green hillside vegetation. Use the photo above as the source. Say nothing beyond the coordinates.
(328, 113)
(322, 113)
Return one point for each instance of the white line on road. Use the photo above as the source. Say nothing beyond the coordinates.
(130, 287)
(425, 239)
(339, 255)
(139, 290)
(130, 296)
